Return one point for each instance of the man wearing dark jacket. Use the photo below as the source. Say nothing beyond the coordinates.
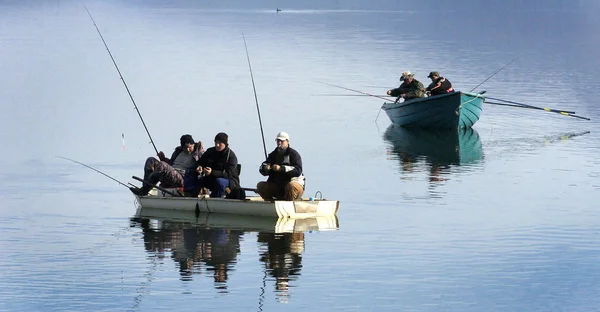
(171, 172)
(218, 168)
(410, 88)
(439, 85)
(284, 168)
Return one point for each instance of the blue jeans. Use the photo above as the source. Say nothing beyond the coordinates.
(216, 186)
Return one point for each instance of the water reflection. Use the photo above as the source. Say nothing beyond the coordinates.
(281, 254)
(438, 150)
(209, 244)
(193, 247)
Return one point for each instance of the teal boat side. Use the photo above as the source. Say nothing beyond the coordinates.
(448, 111)
(471, 105)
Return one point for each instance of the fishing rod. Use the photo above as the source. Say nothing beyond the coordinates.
(100, 172)
(255, 98)
(343, 95)
(499, 70)
(565, 113)
(380, 97)
(122, 79)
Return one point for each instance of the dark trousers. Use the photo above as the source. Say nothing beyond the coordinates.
(216, 186)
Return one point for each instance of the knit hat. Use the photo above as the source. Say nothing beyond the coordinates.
(433, 73)
(186, 139)
(221, 137)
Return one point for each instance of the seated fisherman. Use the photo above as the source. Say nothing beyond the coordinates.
(410, 88)
(439, 85)
(217, 169)
(170, 172)
(284, 168)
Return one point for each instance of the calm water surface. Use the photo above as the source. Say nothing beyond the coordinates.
(502, 217)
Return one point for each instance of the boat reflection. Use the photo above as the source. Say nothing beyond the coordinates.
(439, 150)
(209, 244)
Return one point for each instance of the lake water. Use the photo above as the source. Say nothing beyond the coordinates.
(503, 217)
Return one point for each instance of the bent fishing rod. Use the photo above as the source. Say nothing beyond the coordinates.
(255, 98)
(123, 80)
(100, 172)
(494, 74)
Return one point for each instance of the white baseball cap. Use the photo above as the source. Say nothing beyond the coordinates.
(283, 136)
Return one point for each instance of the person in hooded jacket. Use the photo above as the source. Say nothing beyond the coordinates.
(171, 172)
(217, 169)
(284, 168)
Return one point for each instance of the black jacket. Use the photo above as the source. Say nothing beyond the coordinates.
(223, 165)
(440, 86)
(289, 158)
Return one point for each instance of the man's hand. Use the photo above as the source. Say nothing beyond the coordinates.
(161, 156)
(276, 167)
(207, 170)
(199, 169)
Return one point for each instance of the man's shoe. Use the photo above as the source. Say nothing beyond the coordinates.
(138, 191)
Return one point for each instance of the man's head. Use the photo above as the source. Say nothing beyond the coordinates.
(187, 143)
(407, 76)
(221, 141)
(434, 75)
(283, 140)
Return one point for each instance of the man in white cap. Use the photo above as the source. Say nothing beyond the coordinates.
(284, 168)
(410, 88)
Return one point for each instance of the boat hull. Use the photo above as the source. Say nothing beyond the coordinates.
(251, 206)
(454, 110)
(174, 219)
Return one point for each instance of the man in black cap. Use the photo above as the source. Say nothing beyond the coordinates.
(439, 85)
(170, 172)
(217, 168)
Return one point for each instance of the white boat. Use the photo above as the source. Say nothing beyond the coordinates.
(251, 206)
(177, 218)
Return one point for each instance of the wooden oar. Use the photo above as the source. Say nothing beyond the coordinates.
(365, 93)
(569, 114)
(156, 186)
(554, 110)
